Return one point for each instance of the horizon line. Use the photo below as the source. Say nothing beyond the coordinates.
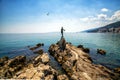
(41, 32)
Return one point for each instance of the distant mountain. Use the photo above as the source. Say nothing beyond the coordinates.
(110, 28)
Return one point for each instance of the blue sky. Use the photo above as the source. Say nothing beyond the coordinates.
(30, 16)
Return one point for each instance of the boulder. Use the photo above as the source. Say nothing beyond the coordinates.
(44, 58)
(39, 45)
(101, 51)
(42, 44)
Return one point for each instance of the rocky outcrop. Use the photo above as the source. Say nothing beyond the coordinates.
(38, 68)
(78, 64)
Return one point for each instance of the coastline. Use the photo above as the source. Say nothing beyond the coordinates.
(68, 60)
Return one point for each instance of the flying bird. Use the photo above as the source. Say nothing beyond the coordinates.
(48, 14)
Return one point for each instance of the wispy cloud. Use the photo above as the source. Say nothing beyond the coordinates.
(104, 10)
(115, 16)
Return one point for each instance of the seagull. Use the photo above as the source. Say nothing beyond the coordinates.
(47, 14)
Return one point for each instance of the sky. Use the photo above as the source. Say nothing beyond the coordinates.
(41, 16)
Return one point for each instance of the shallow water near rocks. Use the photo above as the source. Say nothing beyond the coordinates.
(16, 44)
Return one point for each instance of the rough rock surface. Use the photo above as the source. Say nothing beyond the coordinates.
(41, 71)
(78, 64)
(38, 68)
(11, 66)
(44, 58)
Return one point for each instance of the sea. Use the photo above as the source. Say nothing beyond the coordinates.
(12, 45)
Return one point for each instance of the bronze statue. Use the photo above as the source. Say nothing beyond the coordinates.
(62, 31)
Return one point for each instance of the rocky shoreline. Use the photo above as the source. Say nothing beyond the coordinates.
(76, 63)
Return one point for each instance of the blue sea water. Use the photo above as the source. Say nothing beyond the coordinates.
(16, 44)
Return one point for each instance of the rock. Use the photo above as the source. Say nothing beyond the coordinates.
(62, 43)
(41, 72)
(100, 51)
(11, 66)
(68, 43)
(3, 60)
(44, 58)
(16, 61)
(7, 74)
(49, 77)
(78, 64)
(62, 77)
(80, 46)
(87, 50)
(39, 51)
(37, 46)
(40, 44)
(33, 48)
(117, 70)
(28, 46)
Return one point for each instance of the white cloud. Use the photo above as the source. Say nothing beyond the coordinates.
(104, 10)
(115, 16)
(102, 16)
(100, 19)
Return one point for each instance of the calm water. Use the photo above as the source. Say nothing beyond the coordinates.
(16, 44)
